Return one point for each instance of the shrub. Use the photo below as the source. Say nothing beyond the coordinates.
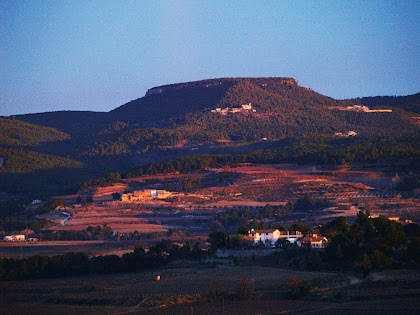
(296, 288)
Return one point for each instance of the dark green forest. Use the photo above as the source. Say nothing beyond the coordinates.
(14, 132)
(71, 264)
(409, 103)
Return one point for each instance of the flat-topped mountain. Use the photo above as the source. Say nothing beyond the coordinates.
(163, 104)
(173, 100)
(171, 120)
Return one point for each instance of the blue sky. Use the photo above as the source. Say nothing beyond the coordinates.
(97, 55)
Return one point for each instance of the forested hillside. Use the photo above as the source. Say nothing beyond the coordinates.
(14, 132)
(409, 103)
(24, 161)
(80, 124)
(174, 120)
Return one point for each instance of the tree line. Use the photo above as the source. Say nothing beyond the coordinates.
(367, 244)
(372, 243)
(90, 233)
(10, 225)
(318, 150)
(71, 264)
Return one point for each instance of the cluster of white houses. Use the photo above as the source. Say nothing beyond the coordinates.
(271, 237)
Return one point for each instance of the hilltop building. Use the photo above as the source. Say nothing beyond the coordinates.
(361, 108)
(247, 106)
(244, 109)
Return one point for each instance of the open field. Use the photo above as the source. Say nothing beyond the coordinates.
(186, 289)
(52, 248)
(213, 286)
(247, 185)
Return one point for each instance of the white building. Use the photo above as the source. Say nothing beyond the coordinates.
(291, 236)
(270, 237)
(14, 238)
(247, 106)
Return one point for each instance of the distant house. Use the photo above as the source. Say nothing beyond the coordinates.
(314, 241)
(139, 195)
(291, 236)
(247, 106)
(270, 237)
(14, 238)
(267, 237)
(350, 133)
(32, 238)
(163, 194)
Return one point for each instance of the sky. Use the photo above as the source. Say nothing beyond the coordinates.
(97, 55)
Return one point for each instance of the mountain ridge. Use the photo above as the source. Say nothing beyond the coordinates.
(180, 119)
(182, 98)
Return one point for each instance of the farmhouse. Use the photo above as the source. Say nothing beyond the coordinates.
(270, 237)
(139, 195)
(14, 238)
(291, 236)
(163, 194)
(314, 241)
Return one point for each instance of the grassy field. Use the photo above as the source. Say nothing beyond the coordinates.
(246, 185)
(187, 287)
